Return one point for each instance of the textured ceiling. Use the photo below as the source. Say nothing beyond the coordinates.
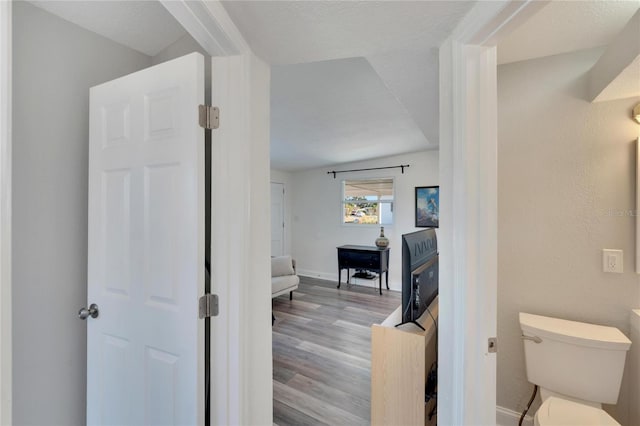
(566, 26)
(290, 32)
(337, 111)
(399, 39)
(145, 26)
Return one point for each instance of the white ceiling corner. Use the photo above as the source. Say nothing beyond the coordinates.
(566, 26)
(625, 85)
(413, 77)
(145, 26)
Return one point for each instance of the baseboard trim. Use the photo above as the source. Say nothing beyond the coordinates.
(507, 417)
(354, 281)
(316, 274)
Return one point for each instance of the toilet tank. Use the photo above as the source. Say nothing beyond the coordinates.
(576, 359)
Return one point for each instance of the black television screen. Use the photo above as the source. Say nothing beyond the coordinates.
(419, 273)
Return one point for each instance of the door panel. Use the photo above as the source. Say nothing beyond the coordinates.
(117, 213)
(145, 354)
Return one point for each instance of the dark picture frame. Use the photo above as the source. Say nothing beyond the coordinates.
(427, 207)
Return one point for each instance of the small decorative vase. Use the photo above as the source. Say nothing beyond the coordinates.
(382, 241)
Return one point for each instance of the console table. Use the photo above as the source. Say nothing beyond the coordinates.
(367, 258)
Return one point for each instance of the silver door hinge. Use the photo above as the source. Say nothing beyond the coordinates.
(492, 345)
(209, 116)
(208, 306)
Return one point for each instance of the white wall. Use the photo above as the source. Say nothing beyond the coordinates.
(566, 187)
(634, 368)
(55, 63)
(279, 176)
(317, 227)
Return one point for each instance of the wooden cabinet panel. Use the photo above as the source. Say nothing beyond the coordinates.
(400, 361)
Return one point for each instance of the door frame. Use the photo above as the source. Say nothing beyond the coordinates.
(241, 350)
(469, 209)
(241, 363)
(5, 211)
(283, 217)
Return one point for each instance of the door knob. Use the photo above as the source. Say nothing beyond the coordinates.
(92, 312)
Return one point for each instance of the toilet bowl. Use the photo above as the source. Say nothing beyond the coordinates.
(578, 367)
(562, 412)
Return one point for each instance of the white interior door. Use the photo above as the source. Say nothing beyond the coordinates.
(145, 354)
(277, 219)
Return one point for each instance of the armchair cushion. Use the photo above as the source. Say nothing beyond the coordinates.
(281, 266)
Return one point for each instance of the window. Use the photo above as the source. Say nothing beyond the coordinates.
(367, 201)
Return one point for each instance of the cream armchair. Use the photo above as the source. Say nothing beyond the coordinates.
(283, 276)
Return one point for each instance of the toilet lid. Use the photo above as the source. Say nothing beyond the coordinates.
(560, 412)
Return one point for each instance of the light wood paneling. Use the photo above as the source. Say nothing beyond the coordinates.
(400, 361)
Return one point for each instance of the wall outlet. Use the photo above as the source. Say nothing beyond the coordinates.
(612, 260)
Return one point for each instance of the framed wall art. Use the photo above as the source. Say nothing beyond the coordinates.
(427, 206)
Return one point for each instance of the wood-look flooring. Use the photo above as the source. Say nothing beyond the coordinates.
(322, 352)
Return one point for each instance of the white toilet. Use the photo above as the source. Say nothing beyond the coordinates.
(577, 366)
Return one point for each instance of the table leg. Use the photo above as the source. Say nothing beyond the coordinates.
(339, 276)
(387, 279)
(380, 282)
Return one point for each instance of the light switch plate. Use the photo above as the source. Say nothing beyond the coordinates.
(612, 260)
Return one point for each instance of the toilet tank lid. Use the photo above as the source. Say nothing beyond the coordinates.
(579, 333)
